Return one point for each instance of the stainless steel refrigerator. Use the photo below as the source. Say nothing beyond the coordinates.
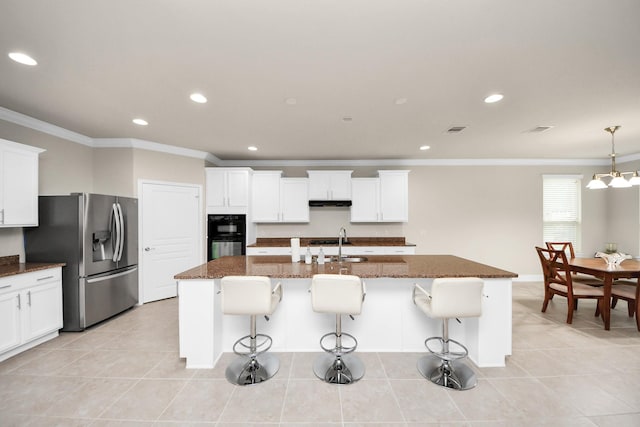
(97, 237)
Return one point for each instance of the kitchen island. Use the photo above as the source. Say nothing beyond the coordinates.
(389, 320)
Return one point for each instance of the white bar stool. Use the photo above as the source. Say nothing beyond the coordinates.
(338, 294)
(253, 296)
(449, 298)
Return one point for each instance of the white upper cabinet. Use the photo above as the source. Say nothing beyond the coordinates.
(18, 184)
(294, 199)
(329, 185)
(394, 196)
(277, 199)
(227, 190)
(265, 196)
(382, 199)
(365, 200)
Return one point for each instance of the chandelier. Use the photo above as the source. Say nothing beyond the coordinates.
(617, 178)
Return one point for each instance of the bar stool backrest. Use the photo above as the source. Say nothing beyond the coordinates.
(248, 295)
(337, 293)
(456, 297)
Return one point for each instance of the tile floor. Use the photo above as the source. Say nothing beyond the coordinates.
(126, 372)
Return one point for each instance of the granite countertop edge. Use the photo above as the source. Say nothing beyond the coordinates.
(28, 267)
(392, 266)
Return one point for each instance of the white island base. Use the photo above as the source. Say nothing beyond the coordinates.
(389, 322)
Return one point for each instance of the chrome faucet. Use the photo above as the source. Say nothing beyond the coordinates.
(342, 234)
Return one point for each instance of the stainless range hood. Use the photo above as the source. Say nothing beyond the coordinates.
(334, 203)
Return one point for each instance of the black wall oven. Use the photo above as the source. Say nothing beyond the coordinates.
(226, 236)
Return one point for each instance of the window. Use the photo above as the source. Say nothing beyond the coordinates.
(561, 209)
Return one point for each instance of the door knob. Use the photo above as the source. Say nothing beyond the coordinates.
(147, 249)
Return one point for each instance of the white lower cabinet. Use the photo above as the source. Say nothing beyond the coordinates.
(30, 310)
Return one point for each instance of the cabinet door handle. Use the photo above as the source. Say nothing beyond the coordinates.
(5, 286)
(2, 213)
(19, 302)
(45, 278)
(29, 298)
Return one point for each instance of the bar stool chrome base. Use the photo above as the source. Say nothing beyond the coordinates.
(254, 365)
(453, 374)
(252, 370)
(333, 369)
(338, 365)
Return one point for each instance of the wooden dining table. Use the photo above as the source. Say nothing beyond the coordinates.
(628, 269)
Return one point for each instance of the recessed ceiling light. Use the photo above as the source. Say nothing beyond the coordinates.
(347, 119)
(198, 97)
(424, 147)
(493, 98)
(252, 148)
(140, 122)
(291, 101)
(22, 58)
(401, 101)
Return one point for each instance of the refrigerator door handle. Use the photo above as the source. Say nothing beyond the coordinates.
(116, 217)
(123, 234)
(112, 276)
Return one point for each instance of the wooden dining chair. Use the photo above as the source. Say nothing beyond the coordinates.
(567, 248)
(629, 291)
(558, 280)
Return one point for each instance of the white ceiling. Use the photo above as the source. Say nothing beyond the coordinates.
(571, 64)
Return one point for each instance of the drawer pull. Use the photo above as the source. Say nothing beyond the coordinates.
(45, 278)
(5, 286)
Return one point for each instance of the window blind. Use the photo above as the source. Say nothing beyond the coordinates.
(561, 209)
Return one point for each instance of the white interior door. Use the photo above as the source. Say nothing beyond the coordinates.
(171, 236)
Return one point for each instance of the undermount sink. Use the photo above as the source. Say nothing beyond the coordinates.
(349, 259)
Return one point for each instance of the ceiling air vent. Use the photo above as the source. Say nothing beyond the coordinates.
(539, 129)
(456, 129)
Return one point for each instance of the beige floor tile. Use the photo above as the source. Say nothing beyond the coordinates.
(50, 362)
(131, 364)
(33, 395)
(369, 401)
(625, 387)
(621, 420)
(302, 365)
(218, 372)
(145, 400)
(126, 423)
(401, 365)
(199, 401)
(529, 396)
(258, 403)
(423, 401)
(584, 393)
(13, 363)
(311, 401)
(170, 366)
(90, 398)
(484, 403)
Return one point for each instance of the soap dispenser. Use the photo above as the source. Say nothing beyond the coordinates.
(321, 256)
(307, 256)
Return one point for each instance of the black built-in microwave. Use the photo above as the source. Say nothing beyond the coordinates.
(226, 235)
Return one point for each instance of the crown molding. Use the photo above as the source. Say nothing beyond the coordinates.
(44, 127)
(57, 131)
(142, 144)
(420, 162)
